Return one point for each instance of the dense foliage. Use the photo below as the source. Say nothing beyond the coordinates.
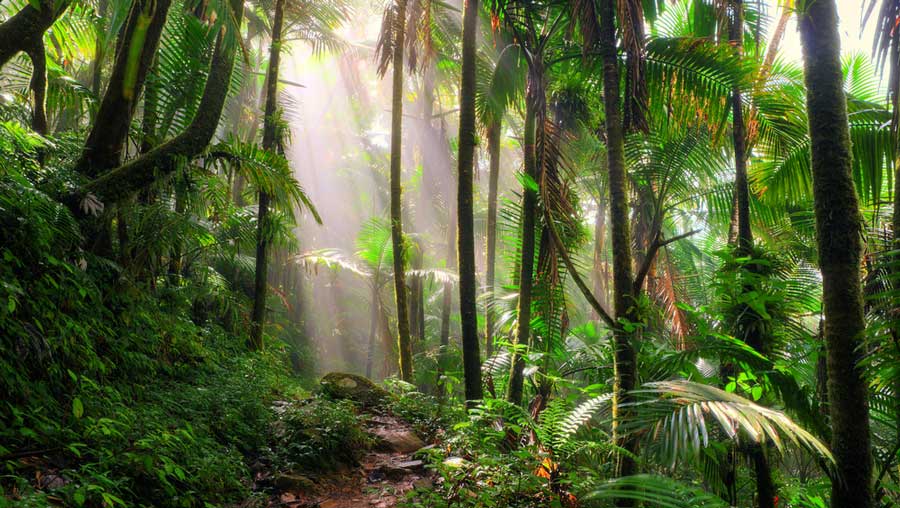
(594, 252)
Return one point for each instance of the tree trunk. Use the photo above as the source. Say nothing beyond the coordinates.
(20, 32)
(162, 160)
(493, 141)
(269, 142)
(765, 487)
(465, 209)
(838, 224)
(403, 340)
(623, 280)
(739, 136)
(137, 47)
(38, 86)
(526, 267)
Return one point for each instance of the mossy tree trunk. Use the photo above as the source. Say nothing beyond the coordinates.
(20, 32)
(526, 260)
(623, 279)
(839, 229)
(465, 209)
(135, 52)
(493, 142)
(162, 160)
(397, 241)
(269, 142)
(38, 85)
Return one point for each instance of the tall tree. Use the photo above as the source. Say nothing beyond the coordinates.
(490, 318)
(270, 141)
(623, 280)
(839, 230)
(390, 47)
(526, 262)
(466, 219)
(739, 136)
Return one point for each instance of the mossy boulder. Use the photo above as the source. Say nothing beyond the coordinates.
(359, 389)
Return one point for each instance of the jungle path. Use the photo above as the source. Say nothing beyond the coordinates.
(384, 474)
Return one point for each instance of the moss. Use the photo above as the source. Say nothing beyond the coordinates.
(839, 229)
(359, 389)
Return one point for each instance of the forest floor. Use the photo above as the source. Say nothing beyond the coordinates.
(380, 480)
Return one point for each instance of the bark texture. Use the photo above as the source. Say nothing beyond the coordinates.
(137, 47)
(162, 160)
(466, 218)
(526, 261)
(403, 338)
(269, 142)
(493, 140)
(20, 32)
(839, 229)
(623, 279)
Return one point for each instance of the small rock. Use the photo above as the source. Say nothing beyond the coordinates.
(293, 482)
(401, 441)
(411, 464)
(340, 385)
(394, 473)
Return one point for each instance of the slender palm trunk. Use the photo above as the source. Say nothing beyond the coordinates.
(623, 279)
(270, 142)
(526, 262)
(739, 137)
(838, 224)
(403, 340)
(765, 487)
(466, 218)
(493, 141)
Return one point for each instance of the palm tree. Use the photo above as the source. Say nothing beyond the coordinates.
(269, 142)
(466, 221)
(390, 49)
(838, 224)
(623, 280)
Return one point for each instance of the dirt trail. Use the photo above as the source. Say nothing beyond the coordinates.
(384, 475)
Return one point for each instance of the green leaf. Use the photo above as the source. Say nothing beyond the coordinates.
(77, 407)
(756, 392)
